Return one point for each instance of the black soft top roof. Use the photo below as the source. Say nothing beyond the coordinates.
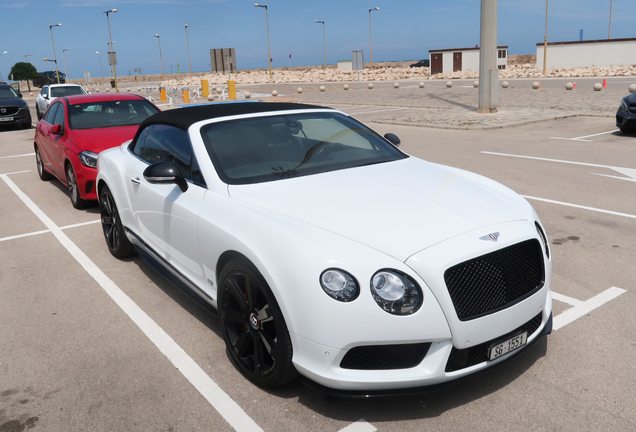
(183, 118)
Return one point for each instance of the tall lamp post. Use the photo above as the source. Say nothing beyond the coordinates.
(371, 35)
(112, 54)
(545, 40)
(109, 50)
(324, 41)
(160, 56)
(25, 58)
(64, 55)
(609, 36)
(1, 72)
(57, 73)
(100, 66)
(188, 47)
(269, 55)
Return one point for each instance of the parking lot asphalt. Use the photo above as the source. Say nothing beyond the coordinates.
(74, 359)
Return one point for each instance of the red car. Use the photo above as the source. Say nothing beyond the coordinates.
(75, 129)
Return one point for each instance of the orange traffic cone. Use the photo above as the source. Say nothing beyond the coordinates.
(574, 84)
(539, 83)
(604, 82)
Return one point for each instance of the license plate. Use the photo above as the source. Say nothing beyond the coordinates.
(505, 347)
(6, 118)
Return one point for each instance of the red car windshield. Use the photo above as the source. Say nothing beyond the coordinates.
(106, 114)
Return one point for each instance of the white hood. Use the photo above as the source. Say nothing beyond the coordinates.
(398, 208)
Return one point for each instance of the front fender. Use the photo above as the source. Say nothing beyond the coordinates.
(291, 255)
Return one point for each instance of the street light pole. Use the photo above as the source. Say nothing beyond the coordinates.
(371, 35)
(100, 66)
(324, 41)
(64, 55)
(488, 71)
(110, 57)
(269, 54)
(1, 72)
(160, 55)
(25, 58)
(57, 73)
(545, 41)
(188, 47)
(112, 54)
(609, 36)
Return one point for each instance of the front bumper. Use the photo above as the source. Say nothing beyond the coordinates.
(22, 117)
(625, 119)
(429, 374)
(544, 331)
(85, 180)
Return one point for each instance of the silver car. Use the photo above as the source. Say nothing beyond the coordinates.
(51, 91)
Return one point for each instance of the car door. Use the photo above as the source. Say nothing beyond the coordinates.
(59, 142)
(165, 217)
(45, 139)
(41, 100)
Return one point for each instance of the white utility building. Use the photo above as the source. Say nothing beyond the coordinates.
(462, 59)
(603, 52)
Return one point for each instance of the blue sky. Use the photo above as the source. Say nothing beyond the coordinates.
(402, 30)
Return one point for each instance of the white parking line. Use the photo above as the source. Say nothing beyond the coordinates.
(627, 215)
(48, 230)
(22, 155)
(565, 299)
(630, 172)
(229, 410)
(360, 426)
(586, 136)
(586, 307)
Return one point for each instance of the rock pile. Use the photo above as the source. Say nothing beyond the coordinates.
(394, 74)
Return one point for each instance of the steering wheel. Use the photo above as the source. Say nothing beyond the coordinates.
(134, 116)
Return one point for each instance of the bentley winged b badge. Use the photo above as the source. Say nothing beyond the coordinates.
(490, 237)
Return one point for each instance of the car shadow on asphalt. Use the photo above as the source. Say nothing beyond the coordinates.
(91, 206)
(418, 406)
(184, 297)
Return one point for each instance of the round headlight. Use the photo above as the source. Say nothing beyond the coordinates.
(396, 292)
(339, 284)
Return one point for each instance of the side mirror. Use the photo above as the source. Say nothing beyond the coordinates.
(393, 139)
(57, 129)
(19, 94)
(165, 173)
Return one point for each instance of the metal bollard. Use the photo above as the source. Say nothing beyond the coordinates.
(205, 88)
(231, 89)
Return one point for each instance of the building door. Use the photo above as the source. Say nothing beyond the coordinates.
(457, 61)
(437, 65)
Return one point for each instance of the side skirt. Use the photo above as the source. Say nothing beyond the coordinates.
(171, 274)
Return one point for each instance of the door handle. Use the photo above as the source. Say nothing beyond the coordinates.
(136, 181)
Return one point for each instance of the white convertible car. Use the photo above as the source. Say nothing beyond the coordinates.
(328, 253)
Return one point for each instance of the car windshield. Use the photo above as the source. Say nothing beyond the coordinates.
(106, 114)
(261, 149)
(7, 92)
(66, 91)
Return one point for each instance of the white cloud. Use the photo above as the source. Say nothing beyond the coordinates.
(15, 5)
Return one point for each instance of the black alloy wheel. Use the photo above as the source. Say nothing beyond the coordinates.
(118, 244)
(253, 326)
(73, 189)
(44, 175)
